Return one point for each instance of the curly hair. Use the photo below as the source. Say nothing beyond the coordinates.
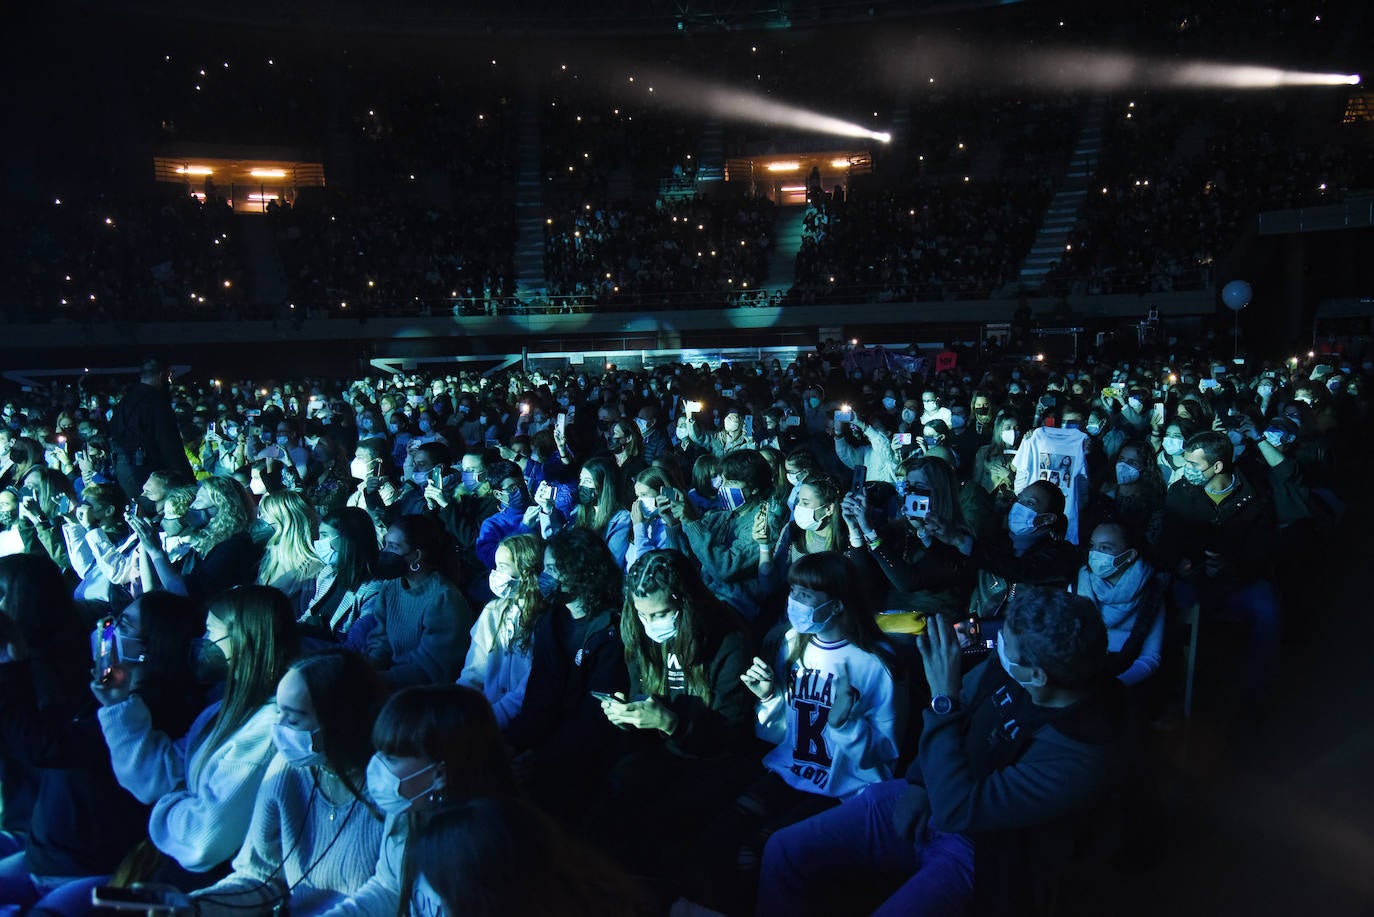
(702, 621)
(586, 569)
(234, 513)
(1059, 632)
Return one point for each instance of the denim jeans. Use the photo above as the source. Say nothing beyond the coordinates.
(933, 876)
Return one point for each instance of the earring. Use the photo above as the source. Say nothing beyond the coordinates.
(415, 567)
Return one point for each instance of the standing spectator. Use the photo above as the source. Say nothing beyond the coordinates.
(143, 431)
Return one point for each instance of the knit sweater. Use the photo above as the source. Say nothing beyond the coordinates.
(202, 802)
(380, 896)
(421, 634)
(299, 846)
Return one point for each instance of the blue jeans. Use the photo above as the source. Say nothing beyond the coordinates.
(935, 874)
(21, 892)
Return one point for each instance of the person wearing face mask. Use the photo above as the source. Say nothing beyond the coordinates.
(1033, 554)
(705, 496)
(1134, 497)
(994, 464)
(576, 650)
(686, 652)
(877, 454)
(416, 495)
(315, 834)
(81, 820)
(202, 784)
(1218, 535)
(216, 528)
(924, 575)
(289, 561)
(1170, 458)
(932, 408)
(1017, 758)
(599, 509)
(1130, 595)
(726, 541)
(499, 656)
(437, 746)
(826, 703)
(817, 524)
(1059, 456)
(648, 530)
(511, 517)
(46, 503)
(339, 604)
(373, 491)
(799, 465)
(733, 435)
(649, 424)
(100, 547)
(422, 620)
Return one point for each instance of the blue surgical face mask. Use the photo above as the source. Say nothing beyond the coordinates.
(394, 428)
(426, 426)
(1021, 519)
(889, 403)
(283, 440)
(1007, 664)
(803, 617)
(1274, 437)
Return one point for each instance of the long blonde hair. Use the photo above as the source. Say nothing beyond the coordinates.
(289, 558)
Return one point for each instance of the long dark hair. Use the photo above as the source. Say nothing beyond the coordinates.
(831, 573)
(38, 615)
(703, 620)
(502, 857)
(262, 634)
(357, 551)
(347, 694)
(168, 624)
(597, 516)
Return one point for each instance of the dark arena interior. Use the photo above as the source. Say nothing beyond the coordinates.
(709, 457)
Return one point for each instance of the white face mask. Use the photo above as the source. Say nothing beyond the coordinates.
(358, 468)
(1103, 564)
(385, 787)
(908, 416)
(794, 478)
(1009, 438)
(1172, 445)
(296, 745)
(803, 619)
(661, 629)
(502, 584)
(1126, 473)
(805, 517)
(1006, 666)
(648, 505)
(256, 486)
(324, 550)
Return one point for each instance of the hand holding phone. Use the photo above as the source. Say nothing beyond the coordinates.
(860, 479)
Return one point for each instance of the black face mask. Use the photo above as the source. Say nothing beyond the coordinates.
(586, 496)
(195, 519)
(208, 661)
(390, 565)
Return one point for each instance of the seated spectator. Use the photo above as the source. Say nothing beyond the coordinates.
(345, 590)
(437, 746)
(46, 499)
(289, 561)
(422, 620)
(1130, 595)
(222, 552)
(511, 517)
(314, 835)
(577, 650)
(826, 704)
(83, 821)
(500, 655)
(648, 529)
(1016, 806)
(201, 785)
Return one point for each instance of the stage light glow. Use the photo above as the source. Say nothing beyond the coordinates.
(839, 163)
(195, 170)
(783, 166)
(1108, 70)
(267, 173)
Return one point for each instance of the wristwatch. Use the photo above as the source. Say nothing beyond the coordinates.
(941, 705)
